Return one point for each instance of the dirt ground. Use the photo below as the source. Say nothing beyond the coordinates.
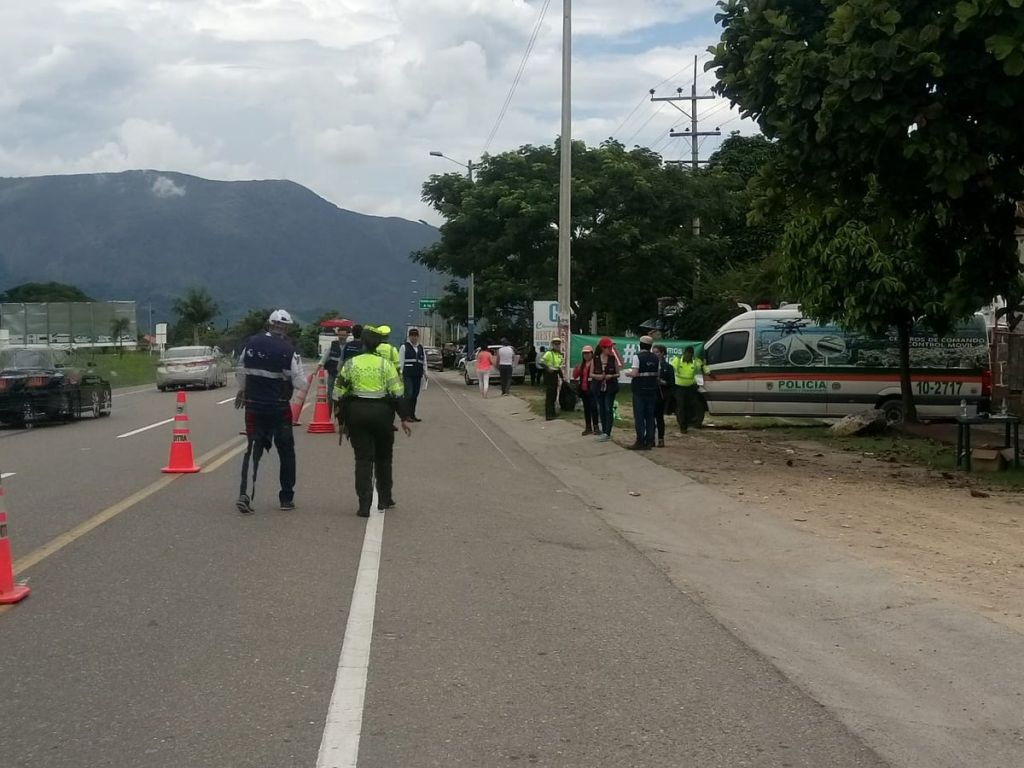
(923, 524)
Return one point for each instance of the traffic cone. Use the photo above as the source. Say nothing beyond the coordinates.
(9, 591)
(181, 461)
(297, 404)
(322, 423)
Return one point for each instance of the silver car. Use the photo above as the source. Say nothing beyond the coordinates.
(205, 367)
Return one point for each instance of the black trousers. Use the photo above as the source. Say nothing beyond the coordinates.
(550, 393)
(534, 374)
(645, 405)
(412, 386)
(659, 414)
(264, 428)
(590, 418)
(505, 372)
(686, 406)
(369, 424)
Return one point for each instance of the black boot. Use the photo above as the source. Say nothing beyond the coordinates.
(385, 499)
(364, 486)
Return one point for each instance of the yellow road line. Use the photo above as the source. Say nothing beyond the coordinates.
(68, 537)
(214, 466)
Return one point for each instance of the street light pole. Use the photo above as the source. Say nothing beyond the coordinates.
(565, 188)
(471, 282)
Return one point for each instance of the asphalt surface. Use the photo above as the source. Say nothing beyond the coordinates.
(514, 625)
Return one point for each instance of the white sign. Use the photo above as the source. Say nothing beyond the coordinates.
(545, 323)
(161, 334)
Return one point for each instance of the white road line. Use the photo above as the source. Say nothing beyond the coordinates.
(482, 432)
(339, 747)
(226, 400)
(146, 429)
(5, 475)
(134, 391)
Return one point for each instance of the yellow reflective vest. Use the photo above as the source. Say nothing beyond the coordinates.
(551, 360)
(686, 373)
(368, 376)
(388, 352)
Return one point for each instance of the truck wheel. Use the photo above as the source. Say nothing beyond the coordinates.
(893, 410)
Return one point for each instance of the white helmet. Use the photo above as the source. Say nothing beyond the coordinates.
(281, 317)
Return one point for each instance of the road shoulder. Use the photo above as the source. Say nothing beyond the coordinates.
(919, 678)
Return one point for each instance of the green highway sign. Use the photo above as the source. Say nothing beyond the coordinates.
(428, 303)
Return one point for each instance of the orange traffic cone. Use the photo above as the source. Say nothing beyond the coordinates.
(298, 403)
(322, 423)
(181, 461)
(9, 591)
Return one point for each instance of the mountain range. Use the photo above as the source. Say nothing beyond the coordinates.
(149, 236)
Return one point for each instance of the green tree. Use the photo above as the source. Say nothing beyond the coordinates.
(196, 311)
(630, 224)
(119, 327)
(897, 124)
(43, 292)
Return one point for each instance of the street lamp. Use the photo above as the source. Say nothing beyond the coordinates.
(471, 283)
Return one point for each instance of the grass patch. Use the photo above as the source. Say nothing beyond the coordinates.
(128, 370)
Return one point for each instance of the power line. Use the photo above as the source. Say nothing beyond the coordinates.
(647, 122)
(519, 75)
(630, 115)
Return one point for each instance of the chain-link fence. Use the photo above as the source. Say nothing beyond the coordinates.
(65, 324)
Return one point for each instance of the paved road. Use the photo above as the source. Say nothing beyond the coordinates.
(513, 625)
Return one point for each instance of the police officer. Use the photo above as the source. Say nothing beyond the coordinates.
(384, 349)
(333, 361)
(687, 368)
(354, 345)
(269, 371)
(412, 364)
(645, 370)
(369, 393)
(551, 364)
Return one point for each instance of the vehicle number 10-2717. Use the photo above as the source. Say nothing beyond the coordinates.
(948, 388)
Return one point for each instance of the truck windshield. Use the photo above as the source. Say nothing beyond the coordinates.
(19, 359)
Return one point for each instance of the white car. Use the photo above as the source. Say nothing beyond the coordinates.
(180, 367)
(518, 368)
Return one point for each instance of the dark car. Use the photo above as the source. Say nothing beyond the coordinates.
(435, 361)
(39, 383)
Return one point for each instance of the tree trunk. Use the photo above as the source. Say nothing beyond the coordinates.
(195, 335)
(903, 333)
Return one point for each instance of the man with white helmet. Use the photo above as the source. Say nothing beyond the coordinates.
(269, 372)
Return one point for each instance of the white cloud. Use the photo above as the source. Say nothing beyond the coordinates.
(165, 187)
(345, 96)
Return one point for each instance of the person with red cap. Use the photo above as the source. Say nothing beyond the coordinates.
(581, 375)
(606, 385)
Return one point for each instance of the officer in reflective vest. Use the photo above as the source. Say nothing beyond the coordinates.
(551, 364)
(369, 393)
(269, 372)
(412, 364)
(384, 349)
(688, 404)
(644, 373)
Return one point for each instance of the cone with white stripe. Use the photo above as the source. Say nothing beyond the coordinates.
(322, 423)
(181, 461)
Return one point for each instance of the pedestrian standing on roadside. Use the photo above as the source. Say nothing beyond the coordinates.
(506, 361)
(689, 370)
(412, 364)
(581, 374)
(269, 372)
(484, 368)
(531, 365)
(551, 366)
(644, 372)
(606, 378)
(666, 385)
(368, 394)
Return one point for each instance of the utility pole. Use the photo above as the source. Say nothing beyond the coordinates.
(565, 190)
(695, 135)
(471, 320)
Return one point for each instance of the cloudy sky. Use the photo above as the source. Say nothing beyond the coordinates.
(345, 96)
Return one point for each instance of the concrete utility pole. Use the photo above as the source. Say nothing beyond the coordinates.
(695, 135)
(471, 283)
(565, 190)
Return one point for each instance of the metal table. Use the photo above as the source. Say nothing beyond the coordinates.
(963, 437)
